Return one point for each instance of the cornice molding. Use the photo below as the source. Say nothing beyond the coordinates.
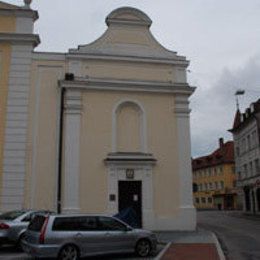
(182, 62)
(20, 38)
(128, 85)
(49, 56)
(20, 13)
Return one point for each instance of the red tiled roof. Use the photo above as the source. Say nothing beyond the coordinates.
(224, 154)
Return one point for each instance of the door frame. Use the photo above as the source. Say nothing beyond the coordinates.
(142, 173)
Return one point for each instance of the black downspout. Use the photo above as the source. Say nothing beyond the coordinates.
(60, 150)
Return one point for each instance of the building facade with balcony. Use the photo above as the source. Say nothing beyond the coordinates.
(214, 178)
(246, 134)
(99, 129)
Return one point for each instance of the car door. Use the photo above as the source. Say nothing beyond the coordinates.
(118, 237)
(89, 236)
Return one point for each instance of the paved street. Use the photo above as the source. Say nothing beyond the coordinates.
(238, 234)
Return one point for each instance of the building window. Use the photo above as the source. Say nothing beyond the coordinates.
(210, 186)
(237, 151)
(197, 200)
(209, 200)
(254, 138)
(216, 185)
(245, 170)
(248, 142)
(257, 167)
(203, 200)
(222, 185)
(206, 186)
(251, 168)
(243, 146)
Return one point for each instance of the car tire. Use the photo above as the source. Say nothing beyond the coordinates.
(69, 252)
(143, 248)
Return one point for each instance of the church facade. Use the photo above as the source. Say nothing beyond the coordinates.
(99, 129)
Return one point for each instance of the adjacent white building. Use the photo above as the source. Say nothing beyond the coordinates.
(246, 134)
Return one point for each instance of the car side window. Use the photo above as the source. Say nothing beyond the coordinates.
(74, 224)
(106, 223)
(27, 218)
(89, 223)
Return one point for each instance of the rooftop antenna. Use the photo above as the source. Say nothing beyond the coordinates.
(239, 92)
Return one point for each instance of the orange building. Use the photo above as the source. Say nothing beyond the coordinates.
(214, 178)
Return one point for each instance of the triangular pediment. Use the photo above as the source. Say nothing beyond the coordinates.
(128, 34)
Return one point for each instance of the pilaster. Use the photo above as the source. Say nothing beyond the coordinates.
(182, 112)
(72, 124)
(22, 43)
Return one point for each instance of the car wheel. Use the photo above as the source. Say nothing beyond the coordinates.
(143, 248)
(69, 252)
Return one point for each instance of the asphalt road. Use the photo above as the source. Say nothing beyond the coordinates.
(10, 253)
(239, 235)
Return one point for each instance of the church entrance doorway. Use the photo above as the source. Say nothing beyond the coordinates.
(130, 197)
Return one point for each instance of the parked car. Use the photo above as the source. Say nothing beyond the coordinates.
(75, 236)
(14, 223)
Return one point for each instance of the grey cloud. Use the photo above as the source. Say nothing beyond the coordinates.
(214, 108)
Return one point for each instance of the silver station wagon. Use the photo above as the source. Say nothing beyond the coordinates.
(75, 236)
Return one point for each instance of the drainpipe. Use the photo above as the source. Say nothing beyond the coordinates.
(70, 77)
(62, 94)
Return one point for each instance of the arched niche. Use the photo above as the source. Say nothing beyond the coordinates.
(129, 127)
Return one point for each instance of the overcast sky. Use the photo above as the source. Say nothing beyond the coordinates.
(221, 39)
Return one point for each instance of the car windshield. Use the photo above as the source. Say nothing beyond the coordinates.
(11, 215)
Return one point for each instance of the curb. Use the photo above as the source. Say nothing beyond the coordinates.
(218, 246)
(158, 257)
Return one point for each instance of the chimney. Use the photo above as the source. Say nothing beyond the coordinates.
(221, 142)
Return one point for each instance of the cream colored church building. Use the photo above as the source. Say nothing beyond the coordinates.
(98, 129)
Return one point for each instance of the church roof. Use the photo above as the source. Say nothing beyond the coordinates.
(128, 35)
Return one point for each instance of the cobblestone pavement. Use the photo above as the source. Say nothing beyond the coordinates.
(239, 234)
